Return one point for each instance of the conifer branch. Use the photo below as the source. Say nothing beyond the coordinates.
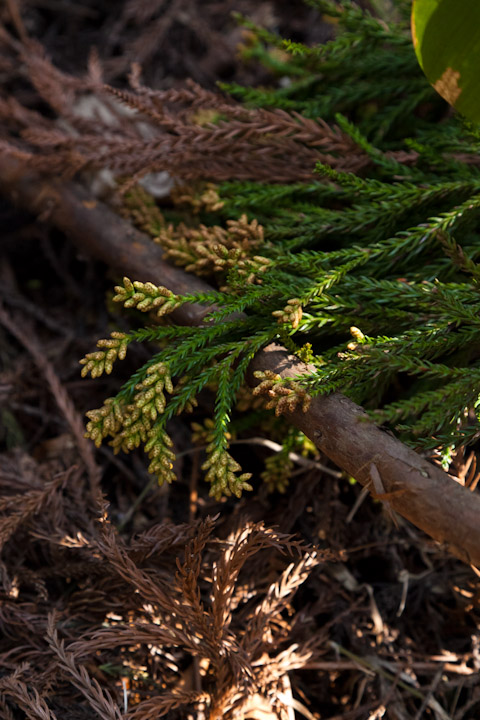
(416, 488)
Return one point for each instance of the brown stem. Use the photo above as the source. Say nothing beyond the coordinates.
(414, 487)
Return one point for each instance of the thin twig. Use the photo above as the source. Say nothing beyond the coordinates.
(364, 663)
(64, 402)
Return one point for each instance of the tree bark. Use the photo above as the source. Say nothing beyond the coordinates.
(413, 487)
(416, 488)
(99, 232)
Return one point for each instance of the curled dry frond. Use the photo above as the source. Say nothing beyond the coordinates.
(28, 700)
(98, 699)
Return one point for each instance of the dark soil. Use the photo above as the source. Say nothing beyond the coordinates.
(387, 625)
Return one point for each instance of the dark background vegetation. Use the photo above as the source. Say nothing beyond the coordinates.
(389, 620)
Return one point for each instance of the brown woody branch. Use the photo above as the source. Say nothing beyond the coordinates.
(99, 232)
(414, 487)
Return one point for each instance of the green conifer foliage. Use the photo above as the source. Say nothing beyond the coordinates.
(373, 279)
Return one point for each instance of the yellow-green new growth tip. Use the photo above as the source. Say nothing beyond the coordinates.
(146, 297)
(101, 361)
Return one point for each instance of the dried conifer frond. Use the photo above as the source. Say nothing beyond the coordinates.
(28, 700)
(165, 539)
(190, 614)
(166, 702)
(187, 624)
(99, 700)
(259, 630)
(242, 544)
(152, 590)
(21, 507)
(240, 143)
(149, 606)
(224, 648)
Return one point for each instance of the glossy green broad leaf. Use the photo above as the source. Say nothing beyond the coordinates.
(446, 37)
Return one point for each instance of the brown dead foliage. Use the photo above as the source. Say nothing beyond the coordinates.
(169, 133)
(188, 131)
(272, 607)
(201, 617)
(78, 597)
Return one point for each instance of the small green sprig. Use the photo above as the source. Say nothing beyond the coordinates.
(150, 398)
(283, 394)
(146, 297)
(97, 363)
(138, 415)
(104, 421)
(291, 313)
(278, 468)
(223, 474)
(148, 403)
(159, 450)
